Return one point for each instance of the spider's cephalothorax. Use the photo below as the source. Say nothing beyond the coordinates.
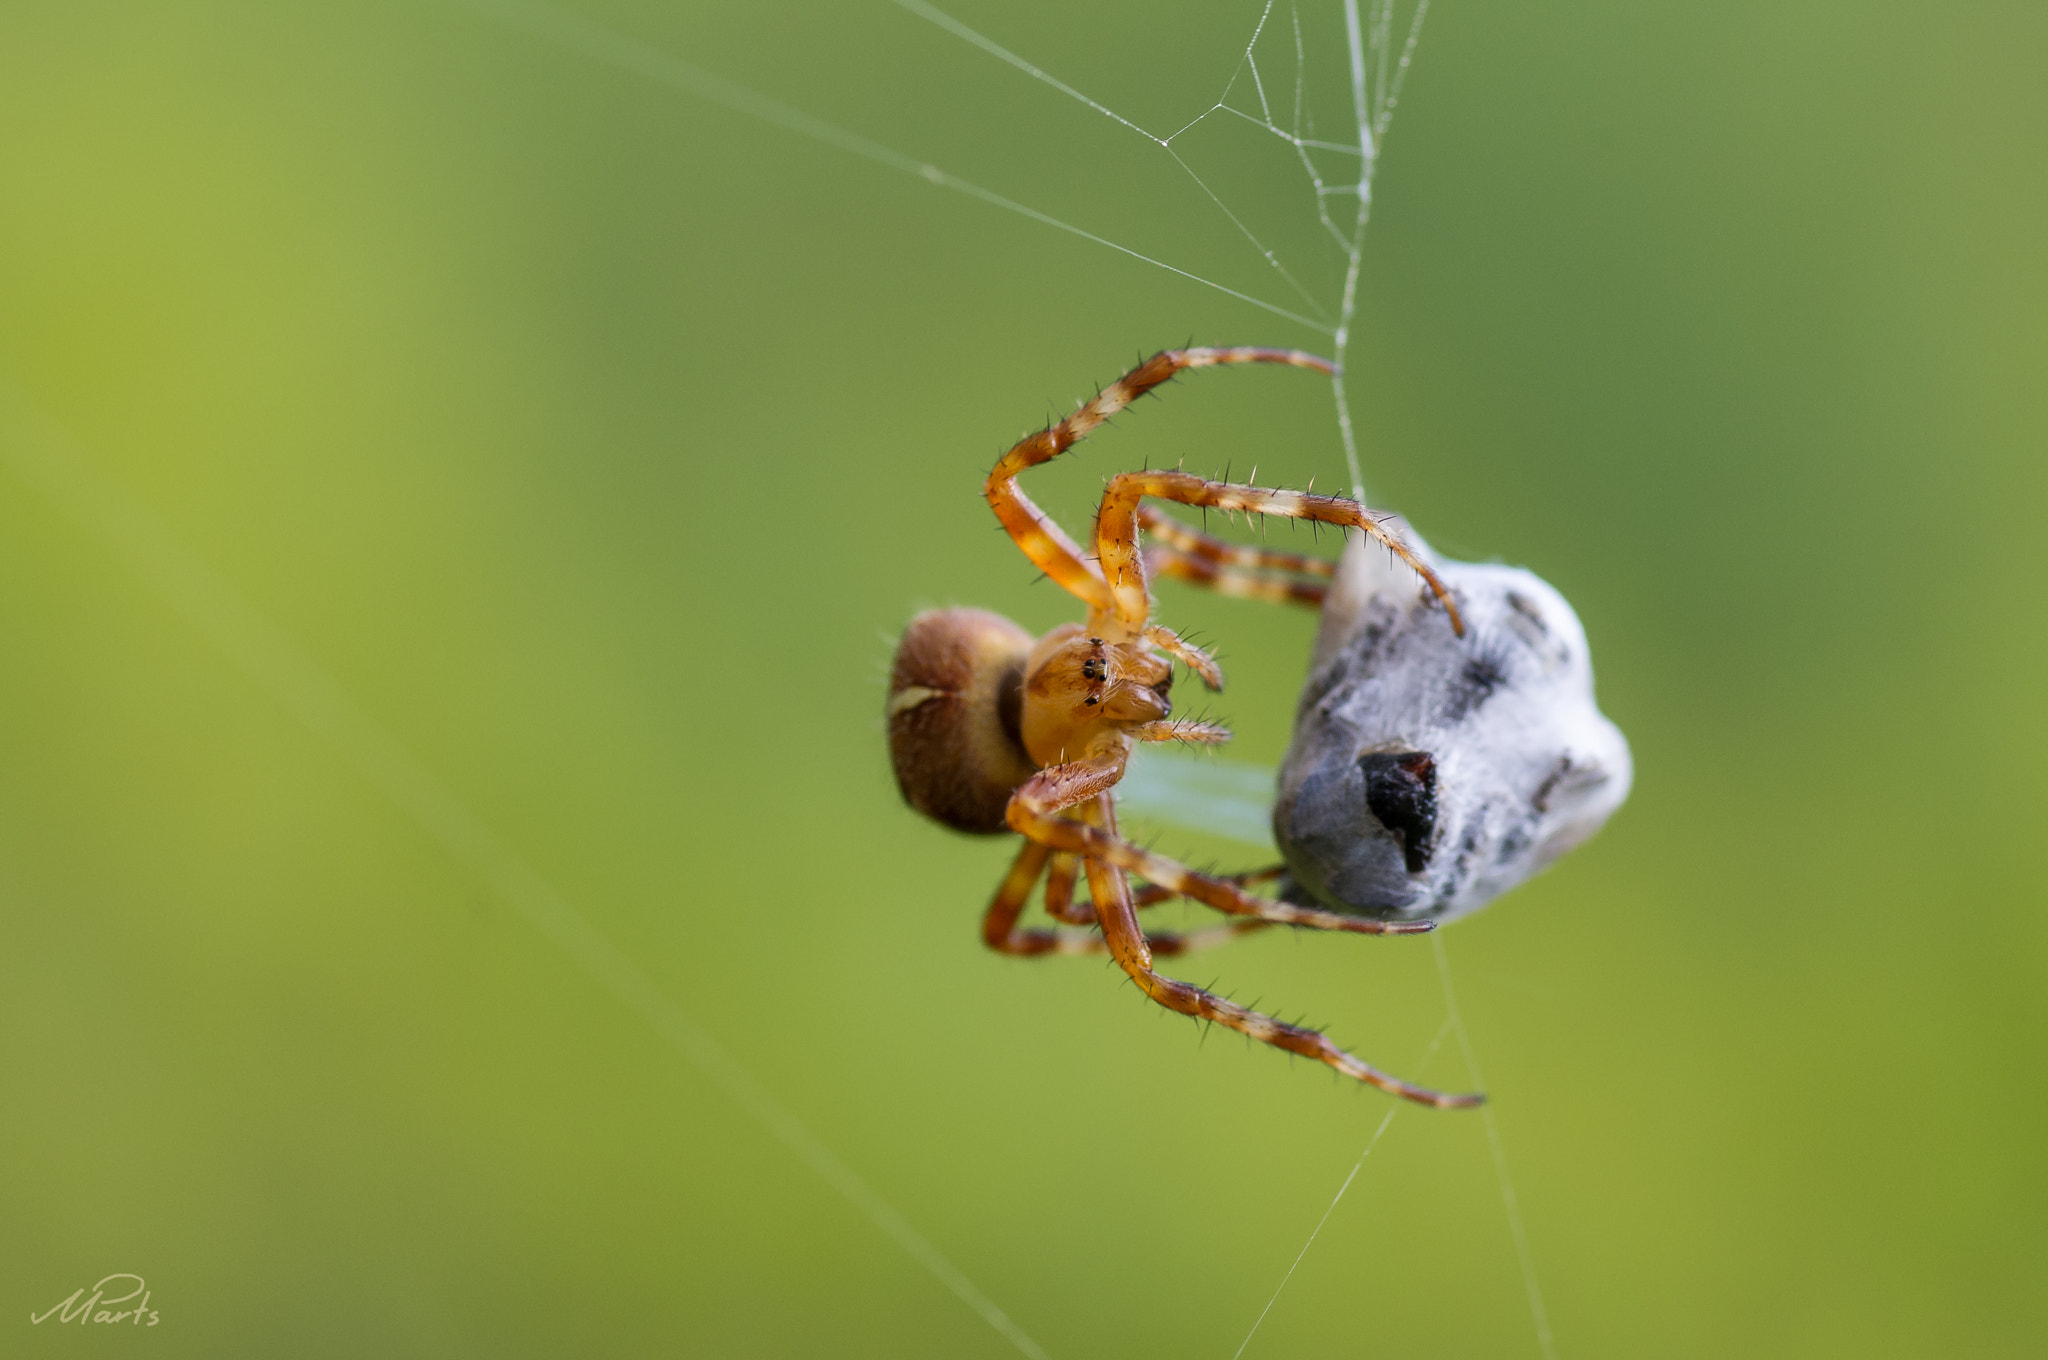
(976, 708)
(991, 730)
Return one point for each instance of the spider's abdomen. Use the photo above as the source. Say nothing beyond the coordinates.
(955, 695)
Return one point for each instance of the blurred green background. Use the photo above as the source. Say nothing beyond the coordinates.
(595, 439)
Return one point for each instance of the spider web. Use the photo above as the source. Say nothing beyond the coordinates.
(1338, 167)
(1333, 130)
(1269, 90)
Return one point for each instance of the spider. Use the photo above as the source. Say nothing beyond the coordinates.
(991, 730)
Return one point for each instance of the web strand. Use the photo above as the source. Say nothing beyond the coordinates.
(608, 45)
(1538, 1314)
(1001, 53)
(1374, 100)
(1393, 95)
(959, 30)
(1375, 90)
(1393, 1108)
(45, 459)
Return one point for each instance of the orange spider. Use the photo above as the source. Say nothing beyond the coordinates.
(991, 730)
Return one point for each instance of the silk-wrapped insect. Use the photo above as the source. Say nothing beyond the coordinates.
(1429, 773)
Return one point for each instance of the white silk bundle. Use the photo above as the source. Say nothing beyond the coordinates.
(1430, 773)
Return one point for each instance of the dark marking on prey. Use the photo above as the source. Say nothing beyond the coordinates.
(1482, 674)
(1400, 788)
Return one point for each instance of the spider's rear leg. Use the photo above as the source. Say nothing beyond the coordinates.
(999, 923)
(1116, 530)
(1061, 905)
(1000, 932)
(1059, 891)
(1128, 944)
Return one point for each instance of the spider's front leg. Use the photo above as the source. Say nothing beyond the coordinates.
(1230, 568)
(1043, 541)
(1233, 581)
(1123, 566)
(1119, 918)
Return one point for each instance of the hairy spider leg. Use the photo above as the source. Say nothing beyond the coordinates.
(1245, 585)
(1119, 918)
(1231, 568)
(999, 923)
(1193, 543)
(1151, 894)
(1034, 812)
(1059, 889)
(1042, 540)
(1000, 932)
(1116, 530)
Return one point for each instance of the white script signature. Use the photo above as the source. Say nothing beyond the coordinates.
(83, 1307)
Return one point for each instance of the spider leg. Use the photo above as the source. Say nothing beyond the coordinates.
(1059, 890)
(1231, 568)
(1151, 894)
(1034, 811)
(1116, 530)
(1230, 580)
(1043, 541)
(1101, 812)
(1000, 932)
(999, 923)
(1191, 543)
(1127, 943)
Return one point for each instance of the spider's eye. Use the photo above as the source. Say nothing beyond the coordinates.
(1400, 788)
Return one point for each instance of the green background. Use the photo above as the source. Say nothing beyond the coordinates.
(594, 439)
